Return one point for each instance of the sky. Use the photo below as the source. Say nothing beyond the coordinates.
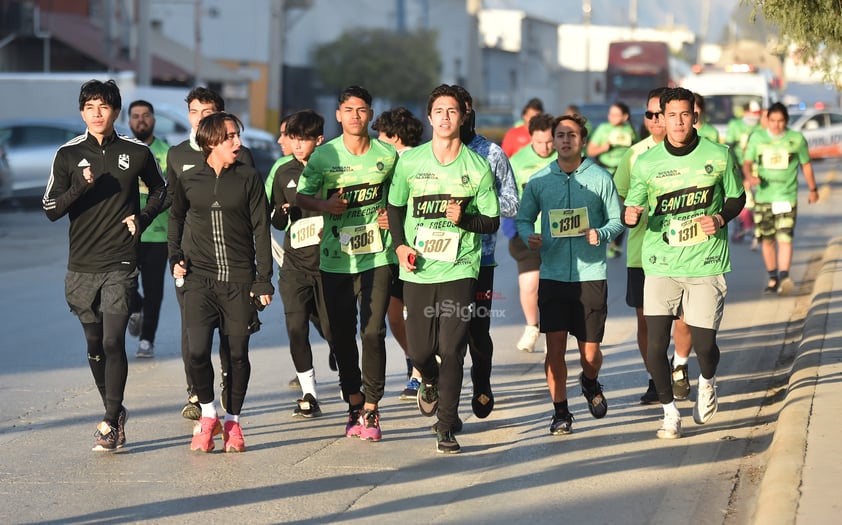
(651, 13)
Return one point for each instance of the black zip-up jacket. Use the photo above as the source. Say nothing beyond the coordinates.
(186, 156)
(99, 241)
(284, 191)
(219, 225)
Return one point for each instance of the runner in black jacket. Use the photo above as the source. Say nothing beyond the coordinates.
(94, 180)
(219, 242)
(201, 102)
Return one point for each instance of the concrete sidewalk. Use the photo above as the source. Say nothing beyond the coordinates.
(805, 461)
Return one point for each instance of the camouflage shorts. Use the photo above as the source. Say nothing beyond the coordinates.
(771, 226)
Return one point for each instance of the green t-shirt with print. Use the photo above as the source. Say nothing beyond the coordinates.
(526, 163)
(679, 189)
(622, 179)
(157, 229)
(446, 251)
(777, 160)
(709, 132)
(620, 138)
(352, 242)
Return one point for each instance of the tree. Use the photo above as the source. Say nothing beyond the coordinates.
(399, 67)
(813, 26)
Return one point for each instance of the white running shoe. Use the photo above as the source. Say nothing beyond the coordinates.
(671, 427)
(706, 404)
(145, 349)
(527, 341)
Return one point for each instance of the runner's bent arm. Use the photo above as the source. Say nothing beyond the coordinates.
(63, 189)
(151, 176)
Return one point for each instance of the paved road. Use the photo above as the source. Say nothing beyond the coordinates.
(612, 470)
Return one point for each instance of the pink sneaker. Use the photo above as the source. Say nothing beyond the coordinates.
(353, 428)
(232, 437)
(370, 426)
(203, 434)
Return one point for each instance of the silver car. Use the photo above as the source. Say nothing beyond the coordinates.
(30, 146)
(5, 176)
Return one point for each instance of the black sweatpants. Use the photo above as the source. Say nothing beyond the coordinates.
(152, 263)
(480, 344)
(224, 352)
(437, 319)
(344, 293)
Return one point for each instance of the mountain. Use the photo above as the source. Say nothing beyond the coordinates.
(650, 13)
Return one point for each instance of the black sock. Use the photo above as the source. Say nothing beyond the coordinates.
(588, 383)
(561, 407)
(773, 274)
(357, 408)
(783, 275)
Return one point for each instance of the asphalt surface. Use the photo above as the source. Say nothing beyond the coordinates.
(768, 456)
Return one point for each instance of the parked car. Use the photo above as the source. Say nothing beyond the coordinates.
(30, 146)
(823, 130)
(173, 126)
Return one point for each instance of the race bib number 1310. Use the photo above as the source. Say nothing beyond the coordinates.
(569, 222)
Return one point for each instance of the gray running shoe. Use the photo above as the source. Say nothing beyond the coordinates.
(135, 323)
(680, 382)
(428, 399)
(145, 349)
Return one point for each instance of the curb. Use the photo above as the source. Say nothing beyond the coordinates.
(779, 493)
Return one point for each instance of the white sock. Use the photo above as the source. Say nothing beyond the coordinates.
(208, 410)
(308, 382)
(678, 360)
(705, 382)
(671, 408)
(231, 417)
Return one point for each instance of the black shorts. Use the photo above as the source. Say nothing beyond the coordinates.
(89, 295)
(527, 260)
(634, 287)
(577, 308)
(208, 302)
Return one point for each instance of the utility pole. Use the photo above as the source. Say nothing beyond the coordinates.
(144, 59)
(197, 43)
(586, 10)
(274, 91)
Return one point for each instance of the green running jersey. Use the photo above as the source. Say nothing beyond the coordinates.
(157, 229)
(622, 179)
(425, 187)
(678, 189)
(777, 161)
(526, 163)
(619, 137)
(352, 242)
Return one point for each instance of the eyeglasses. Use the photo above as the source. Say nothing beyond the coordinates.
(652, 114)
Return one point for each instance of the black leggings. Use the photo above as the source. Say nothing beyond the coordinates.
(237, 365)
(224, 353)
(704, 343)
(107, 359)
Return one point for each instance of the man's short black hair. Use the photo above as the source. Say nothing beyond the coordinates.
(206, 96)
(542, 122)
(578, 119)
(305, 124)
(400, 122)
(107, 91)
(354, 91)
(656, 93)
(143, 103)
(213, 132)
(535, 104)
(777, 107)
(445, 90)
(679, 93)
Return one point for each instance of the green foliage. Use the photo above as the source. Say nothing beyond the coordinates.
(814, 26)
(399, 67)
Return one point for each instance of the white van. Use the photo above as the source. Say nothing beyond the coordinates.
(726, 94)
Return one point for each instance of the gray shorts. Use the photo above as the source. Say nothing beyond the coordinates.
(89, 295)
(700, 301)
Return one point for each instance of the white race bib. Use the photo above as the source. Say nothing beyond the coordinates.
(775, 159)
(685, 233)
(361, 240)
(437, 245)
(569, 222)
(305, 232)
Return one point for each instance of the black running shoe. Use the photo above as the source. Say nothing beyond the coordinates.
(331, 362)
(680, 382)
(105, 438)
(651, 395)
(446, 443)
(597, 405)
(191, 410)
(428, 398)
(307, 407)
(455, 428)
(561, 424)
